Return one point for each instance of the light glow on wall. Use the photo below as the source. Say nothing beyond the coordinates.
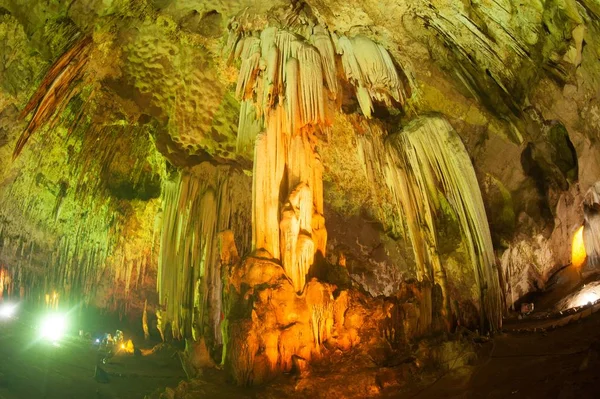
(578, 253)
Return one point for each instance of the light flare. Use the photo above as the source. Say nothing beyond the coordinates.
(7, 310)
(53, 327)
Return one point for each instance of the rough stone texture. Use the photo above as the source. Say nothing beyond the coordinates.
(273, 329)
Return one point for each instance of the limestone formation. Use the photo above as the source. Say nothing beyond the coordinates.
(284, 182)
(285, 77)
(196, 207)
(591, 228)
(426, 161)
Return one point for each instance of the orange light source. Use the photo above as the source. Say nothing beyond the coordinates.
(578, 249)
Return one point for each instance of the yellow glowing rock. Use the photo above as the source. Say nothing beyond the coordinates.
(271, 340)
(128, 347)
(259, 271)
(281, 85)
(578, 254)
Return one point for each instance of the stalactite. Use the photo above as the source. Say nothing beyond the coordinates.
(58, 87)
(322, 41)
(250, 55)
(197, 205)
(310, 86)
(289, 95)
(427, 159)
(5, 282)
(591, 228)
(371, 154)
(269, 168)
(248, 127)
(369, 67)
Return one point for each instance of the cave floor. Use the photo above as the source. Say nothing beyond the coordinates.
(562, 363)
(30, 368)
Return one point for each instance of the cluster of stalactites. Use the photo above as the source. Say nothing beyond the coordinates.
(428, 160)
(591, 228)
(91, 262)
(281, 68)
(6, 282)
(187, 253)
(278, 66)
(286, 85)
(73, 269)
(370, 69)
(197, 205)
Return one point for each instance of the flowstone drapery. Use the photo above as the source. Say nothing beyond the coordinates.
(197, 205)
(591, 228)
(427, 161)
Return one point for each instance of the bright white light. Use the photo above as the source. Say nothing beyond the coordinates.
(53, 327)
(588, 294)
(97, 340)
(7, 310)
(587, 297)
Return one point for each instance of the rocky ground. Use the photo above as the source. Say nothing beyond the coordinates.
(559, 363)
(556, 364)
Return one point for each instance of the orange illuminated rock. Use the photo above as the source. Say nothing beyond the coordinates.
(578, 254)
(270, 324)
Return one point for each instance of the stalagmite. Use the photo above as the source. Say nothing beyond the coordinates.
(321, 318)
(427, 159)
(289, 230)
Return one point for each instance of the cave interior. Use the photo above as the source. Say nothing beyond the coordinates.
(296, 198)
